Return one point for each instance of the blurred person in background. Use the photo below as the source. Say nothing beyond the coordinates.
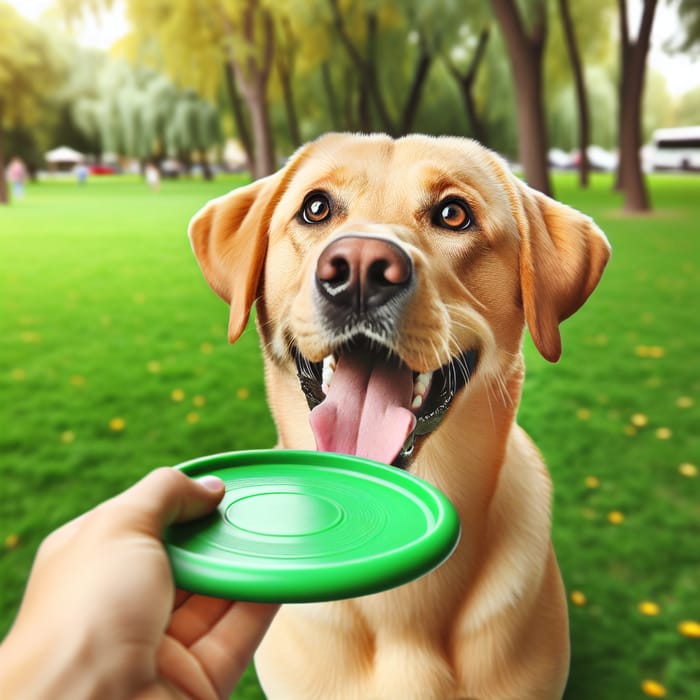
(17, 175)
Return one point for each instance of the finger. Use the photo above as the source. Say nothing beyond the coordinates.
(181, 597)
(166, 496)
(228, 649)
(196, 617)
(182, 674)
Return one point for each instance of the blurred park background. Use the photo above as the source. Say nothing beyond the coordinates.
(127, 116)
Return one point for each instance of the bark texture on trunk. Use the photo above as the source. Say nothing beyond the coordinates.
(525, 53)
(633, 60)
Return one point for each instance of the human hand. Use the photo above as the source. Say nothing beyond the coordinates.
(101, 616)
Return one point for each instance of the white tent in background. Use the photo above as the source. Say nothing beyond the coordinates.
(63, 156)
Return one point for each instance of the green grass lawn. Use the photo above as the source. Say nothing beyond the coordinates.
(114, 360)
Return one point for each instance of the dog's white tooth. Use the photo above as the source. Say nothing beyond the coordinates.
(424, 378)
(417, 402)
(327, 376)
(328, 371)
(422, 383)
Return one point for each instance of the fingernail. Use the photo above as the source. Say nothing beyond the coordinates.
(211, 483)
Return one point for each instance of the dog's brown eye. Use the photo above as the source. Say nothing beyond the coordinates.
(316, 208)
(453, 214)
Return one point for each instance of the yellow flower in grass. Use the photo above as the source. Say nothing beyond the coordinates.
(192, 417)
(199, 401)
(684, 402)
(663, 433)
(77, 380)
(592, 482)
(67, 437)
(652, 351)
(690, 628)
(11, 541)
(578, 598)
(243, 393)
(639, 420)
(615, 517)
(153, 367)
(688, 469)
(583, 413)
(649, 608)
(177, 395)
(653, 689)
(117, 424)
(206, 348)
(18, 374)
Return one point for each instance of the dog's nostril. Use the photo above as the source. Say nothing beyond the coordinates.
(376, 273)
(360, 272)
(334, 271)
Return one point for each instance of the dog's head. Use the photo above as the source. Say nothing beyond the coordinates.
(392, 274)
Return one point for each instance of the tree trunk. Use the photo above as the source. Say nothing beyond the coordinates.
(206, 166)
(238, 116)
(633, 64)
(352, 93)
(410, 109)
(285, 68)
(253, 80)
(366, 68)
(289, 104)
(260, 121)
(581, 96)
(364, 116)
(333, 109)
(466, 82)
(525, 53)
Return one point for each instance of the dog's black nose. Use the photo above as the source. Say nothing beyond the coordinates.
(362, 273)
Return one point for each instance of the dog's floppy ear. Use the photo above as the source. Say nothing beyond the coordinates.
(562, 257)
(229, 238)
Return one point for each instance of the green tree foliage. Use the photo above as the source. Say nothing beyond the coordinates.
(136, 111)
(27, 66)
(291, 69)
(689, 14)
(296, 68)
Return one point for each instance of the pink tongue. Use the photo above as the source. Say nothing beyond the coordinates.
(366, 412)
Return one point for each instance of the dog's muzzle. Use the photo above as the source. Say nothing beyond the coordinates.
(365, 400)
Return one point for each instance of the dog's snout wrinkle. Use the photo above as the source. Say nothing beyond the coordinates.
(362, 273)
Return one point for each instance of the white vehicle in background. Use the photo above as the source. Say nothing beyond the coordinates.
(676, 149)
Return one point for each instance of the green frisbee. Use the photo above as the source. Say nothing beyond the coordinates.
(299, 526)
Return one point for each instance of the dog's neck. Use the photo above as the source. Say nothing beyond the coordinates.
(476, 433)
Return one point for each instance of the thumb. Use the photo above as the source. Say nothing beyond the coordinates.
(166, 496)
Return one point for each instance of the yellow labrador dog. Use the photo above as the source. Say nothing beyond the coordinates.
(393, 280)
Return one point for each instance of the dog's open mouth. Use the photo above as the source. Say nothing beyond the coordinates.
(365, 401)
